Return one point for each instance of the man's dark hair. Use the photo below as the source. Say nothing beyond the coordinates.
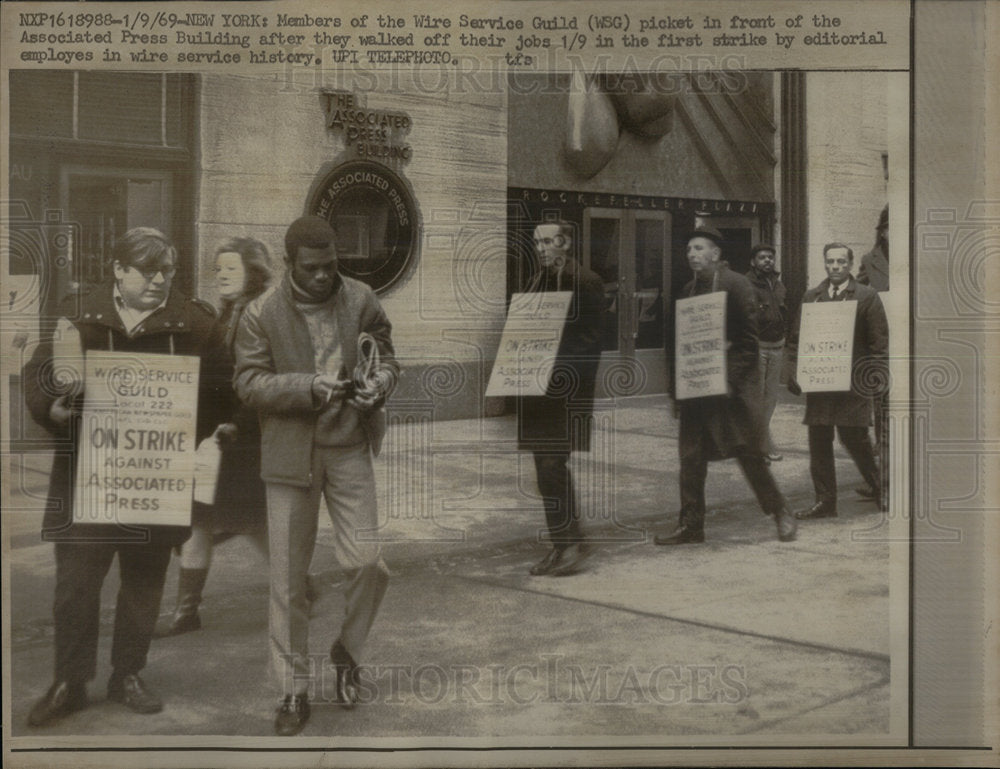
(308, 232)
(837, 244)
(142, 248)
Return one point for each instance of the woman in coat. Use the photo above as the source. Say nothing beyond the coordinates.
(242, 270)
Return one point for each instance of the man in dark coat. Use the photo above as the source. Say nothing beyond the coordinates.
(772, 322)
(136, 313)
(874, 270)
(724, 426)
(552, 425)
(849, 411)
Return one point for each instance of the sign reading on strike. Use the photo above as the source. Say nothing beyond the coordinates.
(700, 353)
(137, 441)
(826, 345)
(529, 343)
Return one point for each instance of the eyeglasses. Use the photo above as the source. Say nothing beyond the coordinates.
(166, 272)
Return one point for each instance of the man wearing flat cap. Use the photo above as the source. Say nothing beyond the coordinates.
(724, 426)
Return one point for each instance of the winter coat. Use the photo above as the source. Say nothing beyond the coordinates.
(772, 315)
(275, 369)
(869, 358)
(730, 424)
(240, 496)
(561, 419)
(182, 326)
(874, 270)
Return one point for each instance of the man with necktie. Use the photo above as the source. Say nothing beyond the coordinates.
(849, 411)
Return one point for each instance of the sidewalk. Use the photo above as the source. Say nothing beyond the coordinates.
(742, 636)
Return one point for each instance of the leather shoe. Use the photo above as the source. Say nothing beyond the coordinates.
(819, 510)
(179, 624)
(133, 693)
(682, 535)
(348, 680)
(572, 559)
(867, 491)
(60, 700)
(292, 715)
(548, 563)
(786, 525)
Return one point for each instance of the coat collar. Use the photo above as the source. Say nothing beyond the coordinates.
(823, 288)
(763, 280)
(98, 308)
(293, 293)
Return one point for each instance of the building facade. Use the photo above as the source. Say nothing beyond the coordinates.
(434, 183)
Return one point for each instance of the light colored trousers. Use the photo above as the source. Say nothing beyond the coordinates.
(770, 355)
(346, 478)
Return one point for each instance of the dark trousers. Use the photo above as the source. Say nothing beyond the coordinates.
(555, 484)
(821, 464)
(80, 571)
(694, 471)
(881, 404)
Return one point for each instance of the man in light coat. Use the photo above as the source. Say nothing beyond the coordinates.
(296, 357)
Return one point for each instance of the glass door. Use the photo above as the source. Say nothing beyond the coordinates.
(629, 250)
(105, 203)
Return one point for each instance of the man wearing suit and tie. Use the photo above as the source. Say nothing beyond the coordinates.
(849, 411)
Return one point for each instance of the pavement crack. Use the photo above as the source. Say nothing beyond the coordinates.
(771, 722)
(856, 653)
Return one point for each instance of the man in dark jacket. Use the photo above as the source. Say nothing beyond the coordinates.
(136, 313)
(724, 426)
(874, 270)
(848, 411)
(297, 363)
(772, 321)
(552, 425)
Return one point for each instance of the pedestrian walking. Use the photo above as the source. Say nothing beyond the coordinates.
(297, 365)
(559, 422)
(772, 321)
(724, 426)
(136, 312)
(242, 272)
(848, 411)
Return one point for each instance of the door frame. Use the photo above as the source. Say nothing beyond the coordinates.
(627, 370)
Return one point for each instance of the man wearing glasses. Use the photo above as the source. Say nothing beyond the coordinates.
(135, 313)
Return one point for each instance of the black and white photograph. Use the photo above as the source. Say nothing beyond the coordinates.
(506, 384)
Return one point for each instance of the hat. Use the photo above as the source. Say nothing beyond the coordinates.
(762, 247)
(707, 232)
(883, 219)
